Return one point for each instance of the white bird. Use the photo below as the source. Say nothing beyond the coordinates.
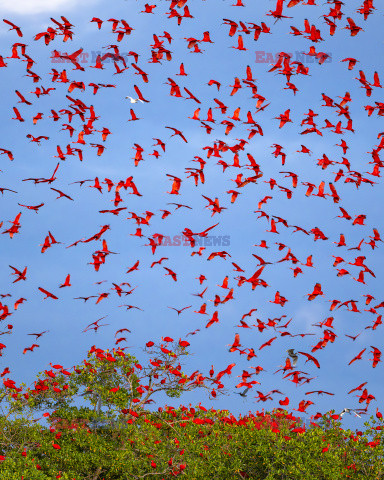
(134, 100)
(244, 393)
(293, 356)
(349, 410)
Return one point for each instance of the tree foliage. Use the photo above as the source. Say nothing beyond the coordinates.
(116, 436)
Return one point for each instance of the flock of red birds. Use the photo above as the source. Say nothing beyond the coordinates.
(84, 127)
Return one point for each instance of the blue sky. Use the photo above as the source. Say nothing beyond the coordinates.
(69, 221)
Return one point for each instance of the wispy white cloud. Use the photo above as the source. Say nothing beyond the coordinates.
(30, 7)
(307, 316)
